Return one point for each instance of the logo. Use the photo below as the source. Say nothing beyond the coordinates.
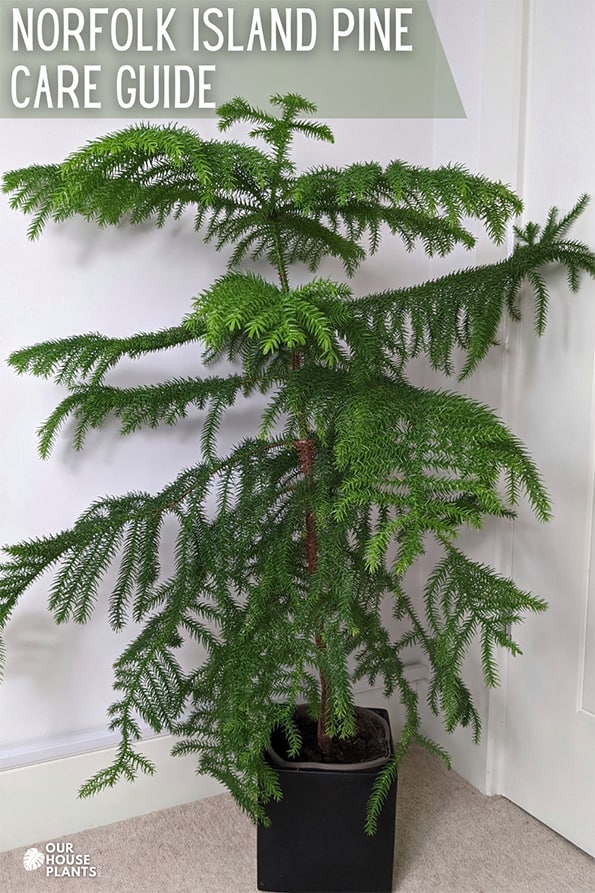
(33, 859)
(60, 860)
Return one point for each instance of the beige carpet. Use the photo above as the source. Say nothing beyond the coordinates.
(450, 839)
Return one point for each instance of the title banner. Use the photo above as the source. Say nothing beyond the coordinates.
(158, 60)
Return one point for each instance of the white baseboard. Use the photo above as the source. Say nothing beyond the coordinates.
(38, 797)
(39, 802)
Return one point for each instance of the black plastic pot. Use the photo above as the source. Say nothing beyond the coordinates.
(316, 842)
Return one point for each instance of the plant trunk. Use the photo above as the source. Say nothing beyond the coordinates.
(305, 448)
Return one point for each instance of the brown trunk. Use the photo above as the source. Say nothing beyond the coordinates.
(305, 448)
(324, 740)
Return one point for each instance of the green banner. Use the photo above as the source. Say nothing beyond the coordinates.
(157, 60)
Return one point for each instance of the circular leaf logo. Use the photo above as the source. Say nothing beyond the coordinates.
(33, 859)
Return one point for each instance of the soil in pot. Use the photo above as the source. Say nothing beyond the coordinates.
(370, 743)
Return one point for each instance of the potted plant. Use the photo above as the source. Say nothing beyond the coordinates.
(353, 471)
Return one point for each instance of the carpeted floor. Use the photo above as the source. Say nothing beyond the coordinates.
(450, 839)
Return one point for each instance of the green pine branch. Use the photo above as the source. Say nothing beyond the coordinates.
(441, 468)
(147, 406)
(464, 309)
(464, 598)
(87, 358)
(136, 173)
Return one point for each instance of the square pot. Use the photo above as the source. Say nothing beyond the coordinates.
(316, 842)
